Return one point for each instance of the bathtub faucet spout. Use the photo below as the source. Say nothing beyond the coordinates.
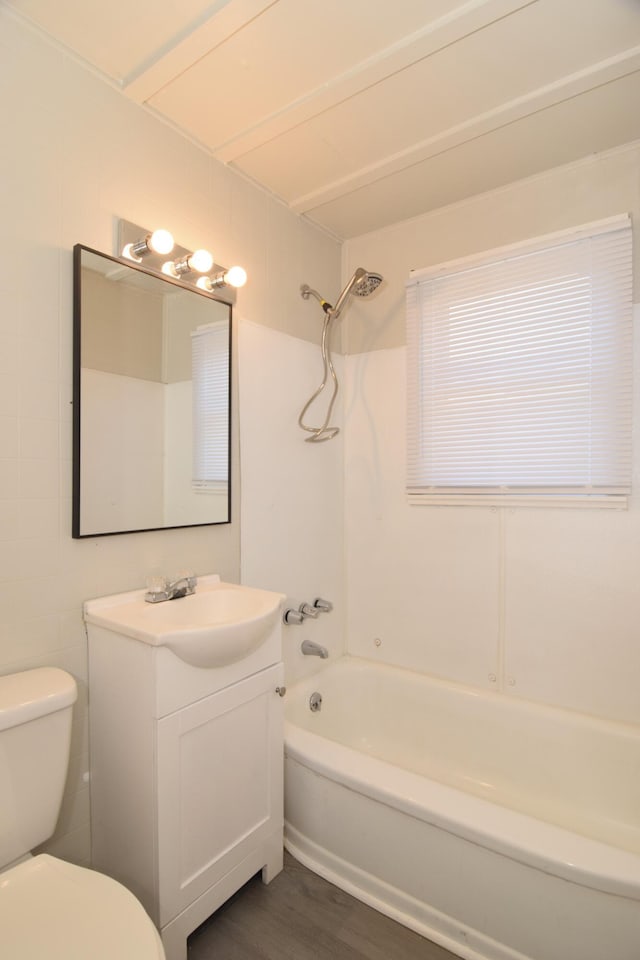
(312, 649)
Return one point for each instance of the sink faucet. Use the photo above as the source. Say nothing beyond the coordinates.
(161, 588)
(312, 649)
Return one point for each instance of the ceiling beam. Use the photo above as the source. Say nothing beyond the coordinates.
(221, 20)
(464, 20)
(606, 71)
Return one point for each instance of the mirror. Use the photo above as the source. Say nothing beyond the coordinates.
(151, 400)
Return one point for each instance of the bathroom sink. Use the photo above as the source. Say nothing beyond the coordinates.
(219, 624)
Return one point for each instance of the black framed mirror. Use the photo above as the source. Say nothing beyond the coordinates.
(151, 400)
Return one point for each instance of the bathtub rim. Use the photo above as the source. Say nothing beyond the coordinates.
(551, 849)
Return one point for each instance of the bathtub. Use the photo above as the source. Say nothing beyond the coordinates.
(498, 828)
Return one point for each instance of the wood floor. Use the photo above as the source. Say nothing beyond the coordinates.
(299, 916)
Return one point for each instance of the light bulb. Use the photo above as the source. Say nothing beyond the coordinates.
(127, 251)
(169, 268)
(201, 261)
(160, 241)
(236, 276)
(233, 277)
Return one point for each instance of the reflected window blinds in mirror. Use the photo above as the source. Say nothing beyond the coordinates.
(137, 414)
(210, 380)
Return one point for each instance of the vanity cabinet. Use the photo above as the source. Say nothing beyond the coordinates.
(186, 775)
(219, 769)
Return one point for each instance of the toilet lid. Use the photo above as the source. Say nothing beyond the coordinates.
(58, 911)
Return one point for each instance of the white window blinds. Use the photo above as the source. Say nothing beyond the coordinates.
(210, 377)
(519, 371)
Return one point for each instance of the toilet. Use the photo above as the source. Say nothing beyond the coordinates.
(50, 908)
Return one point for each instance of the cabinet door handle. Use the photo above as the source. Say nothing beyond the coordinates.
(281, 691)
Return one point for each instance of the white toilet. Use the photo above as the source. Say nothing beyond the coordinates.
(48, 908)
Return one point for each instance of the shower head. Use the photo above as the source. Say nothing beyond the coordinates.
(362, 283)
(368, 283)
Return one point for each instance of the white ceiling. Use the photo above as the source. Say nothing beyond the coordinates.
(360, 113)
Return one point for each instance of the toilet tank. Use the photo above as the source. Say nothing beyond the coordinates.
(35, 736)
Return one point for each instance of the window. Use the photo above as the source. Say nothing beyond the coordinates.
(519, 373)
(210, 374)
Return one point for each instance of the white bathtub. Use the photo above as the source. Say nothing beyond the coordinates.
(500, 829)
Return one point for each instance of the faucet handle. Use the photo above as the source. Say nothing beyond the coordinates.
(324, 606)
(187, 575)
(308, 611)
(292, 616)
(157, 587)
(156, 584)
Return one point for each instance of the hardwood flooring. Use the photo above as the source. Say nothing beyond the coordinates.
(299, 916)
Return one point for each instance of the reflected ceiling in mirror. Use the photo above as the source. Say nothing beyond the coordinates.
(151, 426)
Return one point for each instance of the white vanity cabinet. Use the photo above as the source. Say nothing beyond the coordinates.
(219, 769)
(186, 775)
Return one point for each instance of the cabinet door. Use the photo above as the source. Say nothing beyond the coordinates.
(219, 786)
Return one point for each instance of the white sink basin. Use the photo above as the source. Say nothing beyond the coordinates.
(219, 624)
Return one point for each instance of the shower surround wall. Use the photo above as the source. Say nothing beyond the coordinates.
(535, 603)
(292, 491)
(77, 155)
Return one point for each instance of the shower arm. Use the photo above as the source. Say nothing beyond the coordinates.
(306, 291)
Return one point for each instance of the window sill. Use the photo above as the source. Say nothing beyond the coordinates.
(212, 487)
(568, 501)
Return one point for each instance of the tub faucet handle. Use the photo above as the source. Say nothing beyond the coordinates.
(292, 616)
(324, 606)
(307, 610)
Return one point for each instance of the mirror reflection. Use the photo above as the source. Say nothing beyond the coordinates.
(151, 400)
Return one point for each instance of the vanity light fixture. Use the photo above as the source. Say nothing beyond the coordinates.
(194, 268)
(199, 261)
(160, 241)
(233, 277)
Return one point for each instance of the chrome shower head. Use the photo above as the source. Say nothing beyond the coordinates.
(368, 283)
(362, 283)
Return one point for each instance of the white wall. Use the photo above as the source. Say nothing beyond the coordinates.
(123, 444)
(76, 156)
(538, 603)
(292, 491)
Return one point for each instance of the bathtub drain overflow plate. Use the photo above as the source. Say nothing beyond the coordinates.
(315, 702)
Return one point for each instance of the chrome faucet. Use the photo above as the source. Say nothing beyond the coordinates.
(312, 649)
(161, 588)
(307, 611)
